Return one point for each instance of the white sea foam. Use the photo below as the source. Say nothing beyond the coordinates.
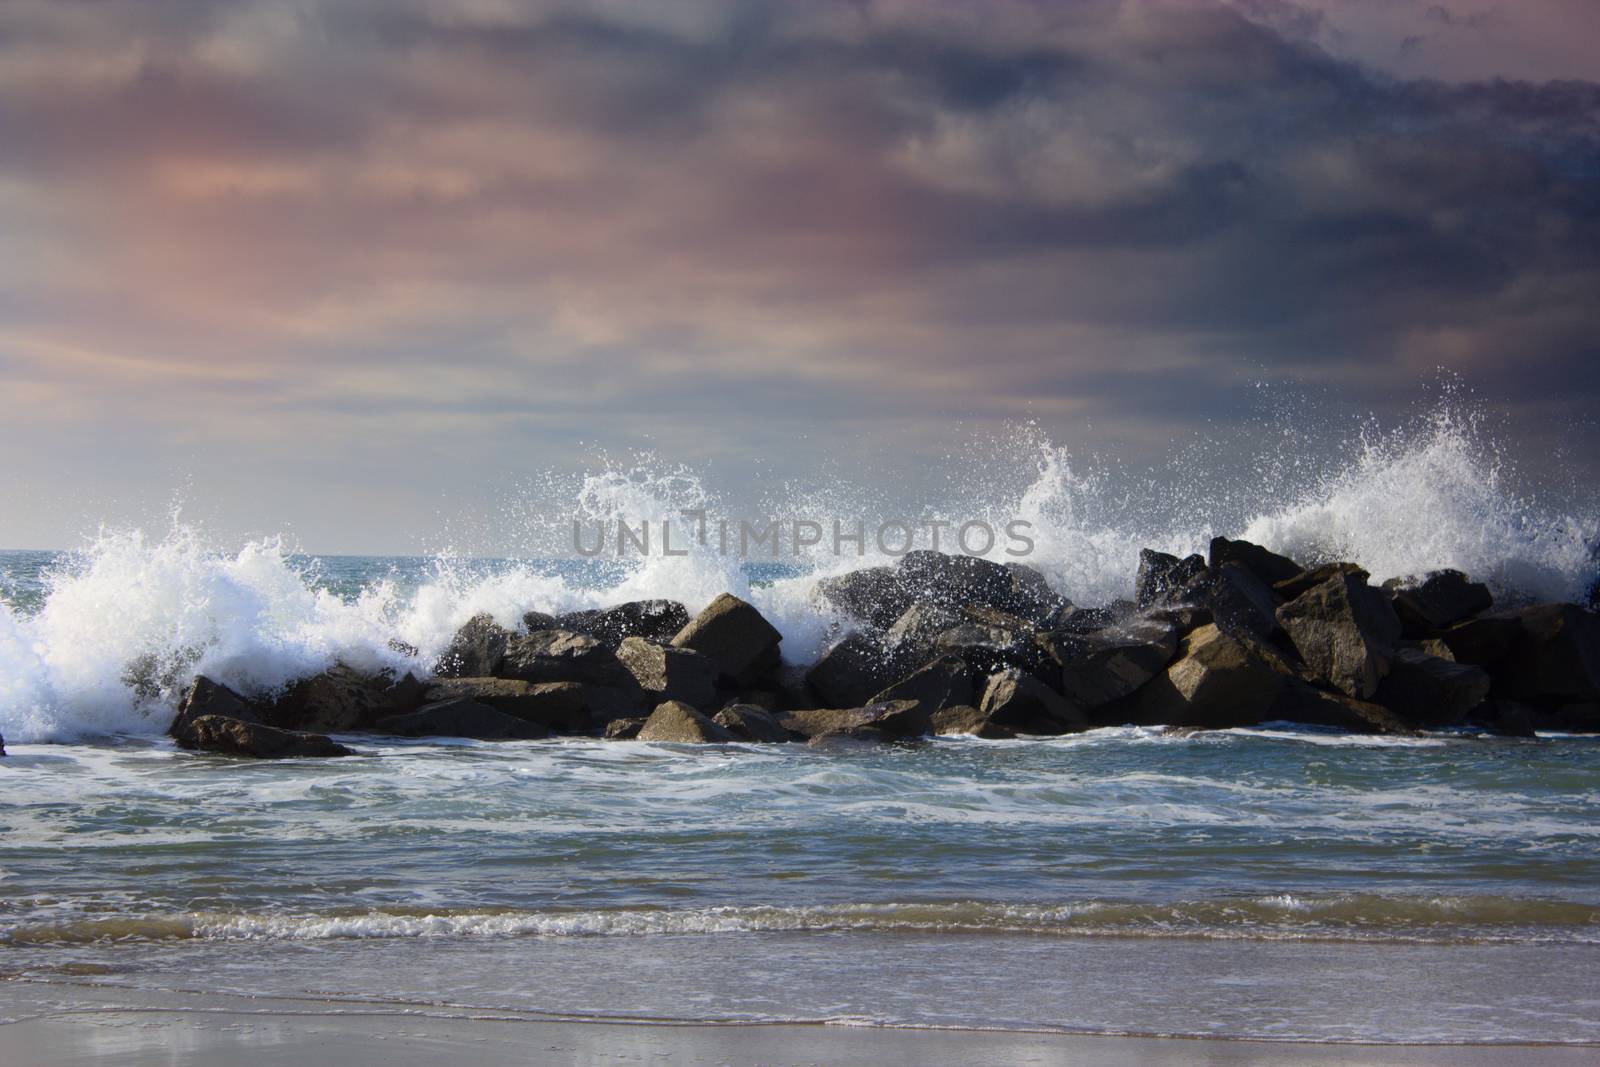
(132, 616)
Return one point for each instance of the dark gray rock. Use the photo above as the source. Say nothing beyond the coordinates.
(237, 737)
(750, 723)
(1293, 587)
(563, 656)
(914, 633)
(735, 635)
(942, 683)
(1269, 567)
(1164, 580)
(623, 729)
(1241, 603)
(1554, 658)
(880, 595)
(1345, 631)
(461, 717)
(1017, 699)
(1426, 690)
(539, 620)
(675, 721)
(476, 651)
(1109, 665)
(654, 620)
(891, 719)
(874, 595)
(1440, 600)
(554, 705)
(668, 673)
(341, 699)
(602, 703)
(966, 719)
(205, 697)
(852, 670)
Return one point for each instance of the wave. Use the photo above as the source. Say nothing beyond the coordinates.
(106, 642)
(1283, 917)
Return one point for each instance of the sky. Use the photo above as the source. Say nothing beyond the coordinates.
(361, 270)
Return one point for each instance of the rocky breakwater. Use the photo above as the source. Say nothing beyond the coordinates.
(943, 644)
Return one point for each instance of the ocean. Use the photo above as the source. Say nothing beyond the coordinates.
(1271, 883)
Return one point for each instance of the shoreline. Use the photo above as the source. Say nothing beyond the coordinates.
(103, 1025)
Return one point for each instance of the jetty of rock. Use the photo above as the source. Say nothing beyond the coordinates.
(944, 644)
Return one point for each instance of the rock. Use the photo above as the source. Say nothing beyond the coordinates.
(1293, 587)
(405, 648)
(1345, 630)
(554, 705)
(749, 723)
(655, 620)
(943, 683)
(966, 719)
(1111, 664)
(341, 699)
(677, 722)
(1554, 657)
(1016, 699)
(1185, 620)
(1166, 580)
(851, 671)
(238, 737)
(919, 626)
(874, 595)
(736, 636)
(1076, 620)
(1269, 567)
(623, 729)
(563, 656)
(668, 673)
(476, 650)
(1504, 718)
(539, 620)
(602, 703)
(461, 717)
(993, 641)
(205, 697)
(892, 719)
(1241, 603)
(1217, 681)
(1425, 690)
(1442, 599)
(2, 744)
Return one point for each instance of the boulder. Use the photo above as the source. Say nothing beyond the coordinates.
(677, 722)
(1293, 587)
(1111, 664)
(919, 626)
(890, 719)
(966, 719)
(602, 703)
(1345, 630)
(736, 636)
(460, 717)
(539, 620)
(563, 656)
(654, 620)
(943, 683)
(1268, 567)
(1441, 599)
(852, 670)
(994, 642)
(1165, 580)
(668, 673)
(1553, 658)
(623, 729)
(341, 699)
(1425, 690)
(1019, 700)
(205, 697)
(238, 737)
(555, 705)
(1078, 620)
(476, 650)
(1242, 603)
(749, 723)
(874, 595)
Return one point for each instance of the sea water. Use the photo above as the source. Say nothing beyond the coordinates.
(1276, 883)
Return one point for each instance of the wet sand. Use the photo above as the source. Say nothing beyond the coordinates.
(51, 1025)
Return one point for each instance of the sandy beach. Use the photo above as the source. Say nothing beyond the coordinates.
(51, 1025)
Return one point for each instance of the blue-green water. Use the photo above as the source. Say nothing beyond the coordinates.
(1269, 883)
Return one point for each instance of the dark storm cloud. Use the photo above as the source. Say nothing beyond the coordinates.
(552, 213)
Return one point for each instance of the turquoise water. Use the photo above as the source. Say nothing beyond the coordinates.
(1269, 883)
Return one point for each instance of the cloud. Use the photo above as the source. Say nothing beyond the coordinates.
(698, 221)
